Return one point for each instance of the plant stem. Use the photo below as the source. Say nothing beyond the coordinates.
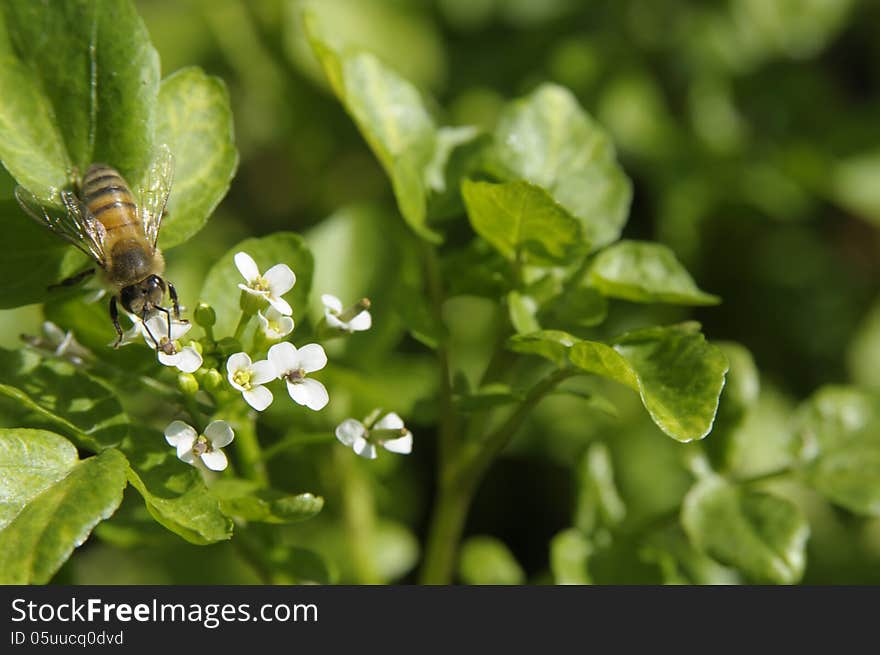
(448, 434)
(460, 479)
(359, 516)
(250, 454)
(242, 325)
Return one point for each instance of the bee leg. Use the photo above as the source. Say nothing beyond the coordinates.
(72, 280)
(168, 315)
(114, 316)
(173, 293)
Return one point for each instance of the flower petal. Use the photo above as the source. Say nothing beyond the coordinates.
(332, 303)
(390, 421)
(280, 278)
(178, 329)
(280, 304)
(238, 362)
(403, 445)
(349, 431)
(312, 357)
(262, 371)
(334, 322)
(361, 322)
(364, 448)
(284, 357)
(189, 360)
(169, 360)
(186, 456)
(177, 431)
(219, 433)
(246, 266)
(258, 397)
(310, 393)
(215, 460)
(284, 326)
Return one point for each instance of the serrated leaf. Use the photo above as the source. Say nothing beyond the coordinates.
(173, 491)
(246, 500)
(569, 557)
(392, 118)
(645, 272)
(195, 122)
(31, 461)
(550, 344)
(486, 560)
(44, 533)
(548, 140)
(82, 407)
(221, 284)
(758, 533)
(522, 219)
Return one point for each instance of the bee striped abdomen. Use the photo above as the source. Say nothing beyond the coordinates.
(108, 198)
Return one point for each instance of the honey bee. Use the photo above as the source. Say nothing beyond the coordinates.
(119, 231)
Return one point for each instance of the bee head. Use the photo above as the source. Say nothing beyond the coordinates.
(142, 297)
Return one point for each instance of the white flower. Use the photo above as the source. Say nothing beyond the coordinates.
(277, 281)
(292, 365)
(354, 319)
(192, 446)
(388, 432)
(274, 324)
(59, 343)
(155, 331)
(249, 377)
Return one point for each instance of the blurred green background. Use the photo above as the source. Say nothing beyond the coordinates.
(750, 130)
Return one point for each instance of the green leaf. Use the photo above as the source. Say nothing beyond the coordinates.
(299, 566)
(392, 118)
(485, 560)
(487, 397)
(839, 430)
(549, 344)
(547, 139)
(32, 461)
(174, 492)
(83, 407)
(246, 500)
(569, 557)
(221, 284)
(521, 219)
(680, 377)
(522, 309)
(645, 272)
(195, 121)
(579, 307)
(75, 92)
(60, 518)
(600, 359)
(598, 503)
(758, 533)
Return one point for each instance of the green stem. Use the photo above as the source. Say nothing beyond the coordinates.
(359, 516)
(461, 478)
(250, 455)
(242, 325)
(765, 477)
(448, 433)
(297, 441)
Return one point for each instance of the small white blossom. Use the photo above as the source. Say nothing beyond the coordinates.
(249, 377)
(355, 319)
(388, 432)
(292, 365)
(277, 281)
(274, 324)
(192, 446)
(59, 343)
(155, 331)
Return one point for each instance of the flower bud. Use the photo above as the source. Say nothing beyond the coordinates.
(204, 315)
(187, 383)
(212, 380)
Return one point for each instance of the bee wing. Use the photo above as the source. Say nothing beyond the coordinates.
(76, 224)
(153, 194)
